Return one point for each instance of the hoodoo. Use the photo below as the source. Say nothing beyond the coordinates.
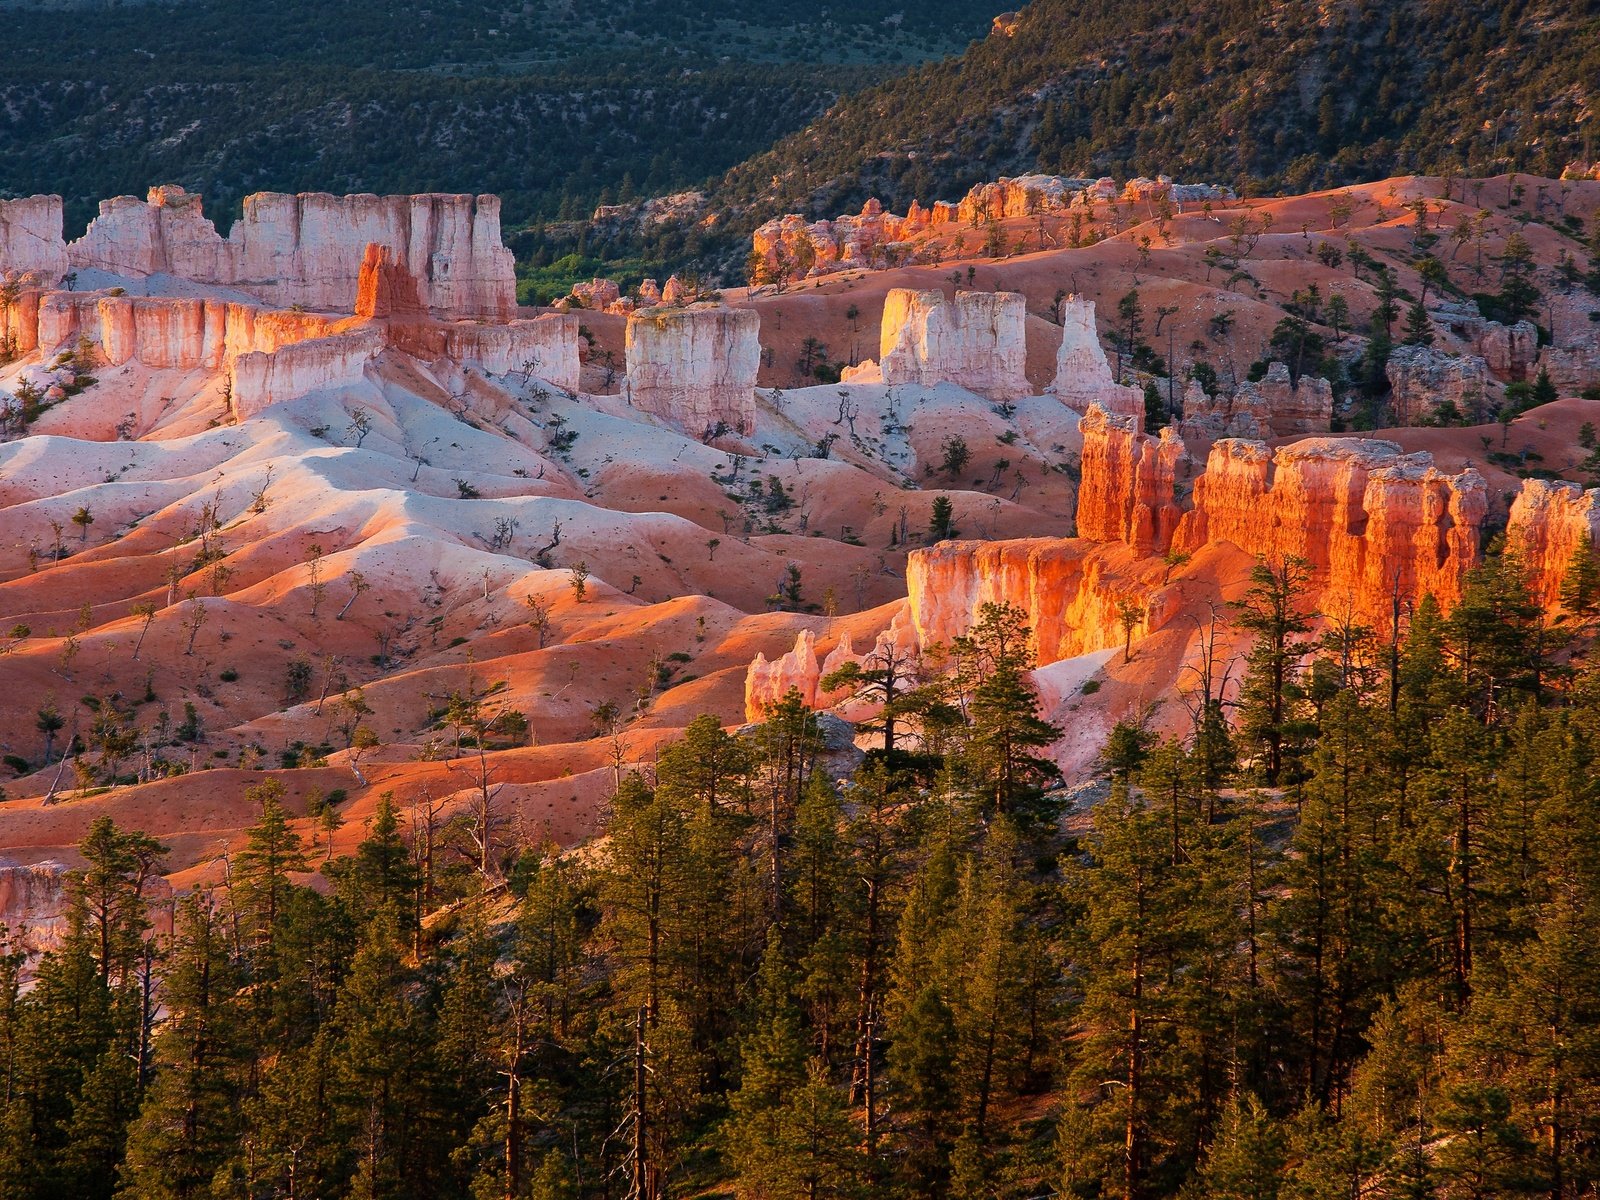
(695, 366)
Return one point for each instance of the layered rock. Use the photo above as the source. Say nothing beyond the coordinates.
(166, 332)
(1371, 521)
(259, 379)
(976, 341)
(792, 245)
(1550, 522)
(695, 366)
(1128, 489)
(308, 249)
(1075, 594)
(1423, 380)
(1083, 376)
(31, 245)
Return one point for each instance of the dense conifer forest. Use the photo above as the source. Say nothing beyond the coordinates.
(1342, 939)
(554, 106)
(1267, 96)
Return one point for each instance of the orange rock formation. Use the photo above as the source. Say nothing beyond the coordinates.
(1550, 521)
(1128, 490)
(1372, 521)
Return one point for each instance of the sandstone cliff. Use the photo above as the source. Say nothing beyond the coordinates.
(308, 249)
(1083, 376)
(695, 366)
(976, 341)
(1128, 491)
(165, 332)
(259, 379)
(1371, 520)
(1273, 406)
(30, 240)
(1549, 522)
(1074, 592)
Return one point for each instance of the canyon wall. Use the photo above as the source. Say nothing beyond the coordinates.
(695, 366)
(1075, 593)
(1369, 519)
(1549, 522)
(976, 341)
(31, 244)
(768, 682)
(308, 249)
(1128, 489)
(1083, 376)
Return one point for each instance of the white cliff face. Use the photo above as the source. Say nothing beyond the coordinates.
(307, 249)
(545, 347)
(1083, 376)
(259, 379)
(30, 240)
(976, 341)
(695, 366)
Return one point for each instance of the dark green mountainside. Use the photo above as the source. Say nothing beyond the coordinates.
(1286, 96)
(552, 104)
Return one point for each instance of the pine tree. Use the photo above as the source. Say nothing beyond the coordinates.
(260, 881)
(1000, 757)
(1418, 329)
(189, 1122)
(1271, 611)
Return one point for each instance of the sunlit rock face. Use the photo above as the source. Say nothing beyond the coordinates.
(1373, 523)
(1075, 593)
(695, 366)
(1083, 376)
(307, 250)
(976, 341)
(1550, 522)
(1128, 489)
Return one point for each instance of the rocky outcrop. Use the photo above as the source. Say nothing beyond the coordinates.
(792, 246)
(1370, 520)
(768, 682)
(1273, 406)
(1074, 592)
(1284, 406)
(308, 249)
(1550, 522)
(259, 379)
(1509, 351)
(31, 246)
(1573, 369)
(1083, 376)
(1423, 381)
(976, 341)
(695, 366)
(33, 901)
(1127, 492)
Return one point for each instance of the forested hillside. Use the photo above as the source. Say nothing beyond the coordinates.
(1270, 96)
(549, 104)
(1343, 940)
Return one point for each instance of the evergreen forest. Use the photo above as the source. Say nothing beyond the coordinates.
(1340, 939)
